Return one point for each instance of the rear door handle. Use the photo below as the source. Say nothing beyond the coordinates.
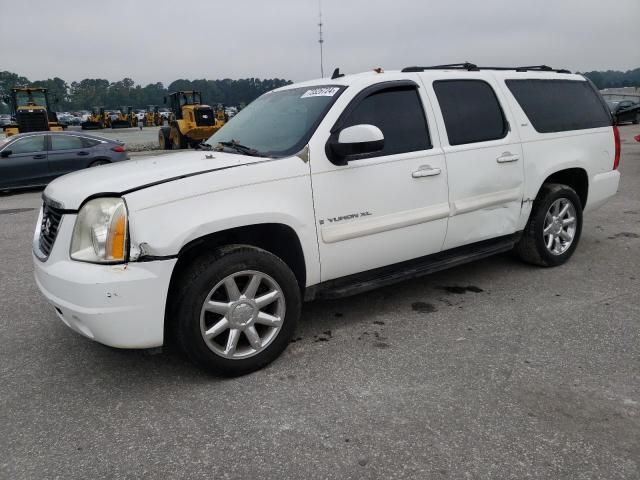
(83, 153)
(507, 157)
(426, 171)
(39, 157)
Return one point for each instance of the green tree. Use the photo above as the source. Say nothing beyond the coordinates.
(8, 80)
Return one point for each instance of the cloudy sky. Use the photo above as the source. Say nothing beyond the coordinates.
(158, 40)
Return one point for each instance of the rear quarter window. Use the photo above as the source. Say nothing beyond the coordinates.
(90, 142)
(560, 105)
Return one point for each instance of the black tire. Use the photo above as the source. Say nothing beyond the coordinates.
(195, 285)
(97, 163)
(531, 248)
(163, 138)
(636, 119)
(180, 142)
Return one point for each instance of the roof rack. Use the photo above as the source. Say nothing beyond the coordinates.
(471, 67)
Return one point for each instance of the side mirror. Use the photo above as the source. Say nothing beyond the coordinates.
(355, 141)
(5, 153)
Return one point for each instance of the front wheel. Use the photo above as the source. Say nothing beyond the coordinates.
(554, 227)
(236, 310)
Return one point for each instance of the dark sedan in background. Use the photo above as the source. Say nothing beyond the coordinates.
(34, 159)
(625, 111)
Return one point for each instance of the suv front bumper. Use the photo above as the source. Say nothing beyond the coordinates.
(118, 305)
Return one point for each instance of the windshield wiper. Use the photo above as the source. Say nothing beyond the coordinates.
(238, 147)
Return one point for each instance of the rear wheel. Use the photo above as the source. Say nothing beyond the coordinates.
(237, 310)
(163, 138)
(554, 227)
(97, 163)
(636, 120)
(179, 141)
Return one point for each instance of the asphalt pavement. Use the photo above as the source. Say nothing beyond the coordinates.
(495, 369)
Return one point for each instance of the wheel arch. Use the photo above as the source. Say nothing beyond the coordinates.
(576, 178)
(100, 159)
(277, 238)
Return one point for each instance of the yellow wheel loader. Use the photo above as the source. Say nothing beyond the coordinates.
(126, 118)
(30, 111)
(98, 119)
(190, 121)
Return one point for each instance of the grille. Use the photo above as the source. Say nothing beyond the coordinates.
(204, 117)
(35, 121)
(51, 218)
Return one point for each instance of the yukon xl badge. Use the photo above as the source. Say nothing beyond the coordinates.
(351, 216)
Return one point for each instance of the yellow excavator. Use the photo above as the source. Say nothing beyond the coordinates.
(126, 118)
(153, 117)
(31, 111)
(98, 119)
(190, 121)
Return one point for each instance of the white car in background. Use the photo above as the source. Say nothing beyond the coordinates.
(324, 189)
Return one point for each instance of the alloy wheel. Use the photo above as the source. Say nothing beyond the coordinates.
(560, 226)
(242, 314)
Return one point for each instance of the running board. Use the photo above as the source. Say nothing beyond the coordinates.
(380, 277)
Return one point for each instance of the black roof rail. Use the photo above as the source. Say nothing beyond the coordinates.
(474, 68)
(458, 66)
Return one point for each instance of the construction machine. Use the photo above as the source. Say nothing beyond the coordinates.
(98, 119)
(30, 111)
(153, 117)
(126, 118)
(190, 121)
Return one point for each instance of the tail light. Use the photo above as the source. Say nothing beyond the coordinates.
(616, 138)
(119, 149)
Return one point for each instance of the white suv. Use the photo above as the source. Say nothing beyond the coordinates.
(323, 189)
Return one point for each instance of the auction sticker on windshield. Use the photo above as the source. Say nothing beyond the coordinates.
(321, 92)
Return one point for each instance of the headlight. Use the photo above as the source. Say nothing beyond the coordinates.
(100, 233)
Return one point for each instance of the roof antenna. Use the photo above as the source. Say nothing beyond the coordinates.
(336, 74)
(320, 39)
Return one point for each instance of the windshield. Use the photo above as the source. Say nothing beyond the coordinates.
(279, 123)
(25, 98)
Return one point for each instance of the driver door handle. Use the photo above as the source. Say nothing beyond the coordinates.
(83, 153)
(39, 156)
(426, 171)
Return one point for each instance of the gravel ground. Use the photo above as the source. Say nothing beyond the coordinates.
(491, 370)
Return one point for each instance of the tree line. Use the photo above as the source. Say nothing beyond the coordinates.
(90, 92)
(615, 78)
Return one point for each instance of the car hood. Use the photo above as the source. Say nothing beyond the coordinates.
(69, 191)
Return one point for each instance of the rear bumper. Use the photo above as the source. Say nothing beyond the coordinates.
(118, 305)
(602, 188)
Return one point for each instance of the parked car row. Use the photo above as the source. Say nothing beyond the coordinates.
(34, 159)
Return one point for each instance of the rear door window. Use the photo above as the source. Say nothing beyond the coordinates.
(66, 142)
(398, 113)
(560, 105)
(471, 111)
